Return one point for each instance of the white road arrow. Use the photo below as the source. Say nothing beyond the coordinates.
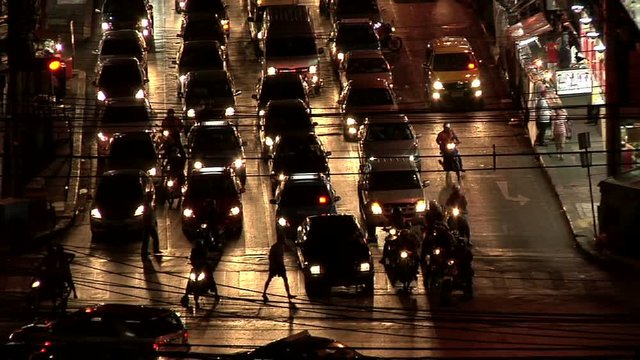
(504, 189)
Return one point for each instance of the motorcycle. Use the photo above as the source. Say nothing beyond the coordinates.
(198, 284)
(447, 271)
(451, 159)
(457, 221)
(48, 288)
(209, 236)
(387, 39)
(401, 262)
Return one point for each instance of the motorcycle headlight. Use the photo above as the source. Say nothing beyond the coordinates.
(170, 183)
(139, 211)
(237, 163)
(451, 262)
(376, 209)
(229, 111)
(404, 254)
(152, 172)
(281, 177)
(340, 56)
(475, 83)
(455, 211)
(365, 266)
(437, 85)
(101, 96)
(261, 112)
(283, 222)
(412, 158)
(268, 141)
(35, 284)
(351, 121)
(234, 211)
(188, 213)
(393, 231)
(144, 22)
(437, 251)
(197, 165)
(313, 69)
(105, 26)
(95, 213)
(421, 206)
(192, 276)
(102, 137)
(315, 269)
(271, 70)
(451, 146)
(201, 276)
(191, 113)
(140, 94)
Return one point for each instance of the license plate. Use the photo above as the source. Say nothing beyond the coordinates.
(457, 93)
(448, 278)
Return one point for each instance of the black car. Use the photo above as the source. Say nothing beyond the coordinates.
(120, 78)
(122, 43)
(283, 117)
(354, 9)
(198, 55)
(351, 34)
(280, 86)
(213, 196)
(130, 331)
(119, 116)
(202, 27)
(208, 94)
(332, 251)
(216, 144)
(207, 8)
(129, 14)
(297, 154)
(135, 150)
(120, 201)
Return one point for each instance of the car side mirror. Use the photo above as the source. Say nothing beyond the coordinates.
(273, 201)
(146, 80)
(327, 153)
(243, 190)
(95, 52)
(179, 35)
(149, 7)
(94, 83)
(321, 50)
(426, 183)
(97, 11)
(418, 136)
(174, 62)
(254, 96)
(237, 92)
(340, 101)
(337, 198)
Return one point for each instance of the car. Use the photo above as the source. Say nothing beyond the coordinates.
(206, 8)
(202, 27)
(216, 144)
(452, 73)
(280, 86)
(281, 117)
(126, 330)
(119, 116)
(129, 14)
(198, 55)
(354, 9)
(120, 200)
(364, 65)
(386, 183)
(390, 136)
(255, 14)
(298, 196)
(120, 78)
(332, 251)
(135, 150)
(212, 196)
(208, 94)
(122, 43)
(363, 97)
(297, 154)
(349, 35)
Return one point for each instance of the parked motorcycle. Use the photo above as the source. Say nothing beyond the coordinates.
(388, 40)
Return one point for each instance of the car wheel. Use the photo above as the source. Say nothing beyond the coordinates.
(315, 288)
(371, 233)
(368, 286)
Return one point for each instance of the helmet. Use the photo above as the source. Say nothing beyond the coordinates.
(170, 112)
(456, 188)
(446, 126)
(434, 211)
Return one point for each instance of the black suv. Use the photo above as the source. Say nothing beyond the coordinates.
(207, 8)
(129, 14)
(135, 150)
(216, 144)
(119, 116)
(208, 94)
(280, 86)
(332, 251)
(202, 27)
(198, 55)
(301, 195)
(297, 154)
(213, 197)
(283, 117)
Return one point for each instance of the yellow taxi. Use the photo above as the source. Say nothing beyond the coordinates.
(452, 73)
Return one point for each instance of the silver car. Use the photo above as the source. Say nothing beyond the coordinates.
(388, 136)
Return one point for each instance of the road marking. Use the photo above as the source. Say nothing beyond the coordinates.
(504, 189)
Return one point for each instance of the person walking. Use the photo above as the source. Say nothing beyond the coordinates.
(559, 130)
(277, 268)
(543, 117)
(150, 230)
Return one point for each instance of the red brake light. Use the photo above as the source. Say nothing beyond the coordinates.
(54, 65)
(185, 337)
(322, 199)
(156, 346)
(471, 66)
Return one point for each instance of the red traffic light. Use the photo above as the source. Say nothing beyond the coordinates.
(54, 65)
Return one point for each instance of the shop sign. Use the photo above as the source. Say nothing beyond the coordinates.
(574, 81)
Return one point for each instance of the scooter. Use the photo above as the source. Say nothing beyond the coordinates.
(457, 221)
(45, 288)
(387, 39)
(198, 284)
(400, 263)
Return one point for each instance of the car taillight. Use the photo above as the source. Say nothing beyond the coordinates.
(185, 337)
(156, 346)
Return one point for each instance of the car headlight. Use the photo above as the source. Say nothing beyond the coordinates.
(259, 36)
(393, 231)
(225, 24)
(421, 206)
(144, 22)
(351, 121)
(139, 211)
(183, 78)
(261, 112)
(234, 211)
(365, 266)
(188, 213)
(315, 269)
(438, 85)
(475, 83)
(437, 251)
(282, 222)
(313, 69)
(281, 177)
(268, 141)
(229, 111)
(182, 4)
(152, 172)
(455, 211)
(101, 96)
(102, 137)
(271, 70)
(404, 254)
(35, 284)
(376, 209)
(191, 113)
(105, 26)
(197, 165)
(140, 94)
(237, 163)
(451, 262)
(340, 56)
(95, 213)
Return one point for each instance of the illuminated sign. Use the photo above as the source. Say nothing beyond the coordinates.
(574, 81)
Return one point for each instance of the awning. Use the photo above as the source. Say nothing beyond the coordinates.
(529, 28)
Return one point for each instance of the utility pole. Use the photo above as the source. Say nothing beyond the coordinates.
(20, 53)
(616, 64)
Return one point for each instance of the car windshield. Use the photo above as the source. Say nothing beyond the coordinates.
(114, 189)
(368, 65)
(369, 97)
(454, 62)
(204, 30)
(210, 142)
(120, 75)
(389, 132)
(357, 37)
(207, 91)
(349, 7)
(125, 8)
(211, 6)
(124, 148)
(303, 148)
(394, 180)
(333, 230)
(290, 46)
(282, 90)
(121, 114)
(202, 58)
(287, 119)
(121, 47)
(305, 195)
(210, 187)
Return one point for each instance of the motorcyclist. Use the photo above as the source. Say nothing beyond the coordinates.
(199, 258)
(55, 267)
(459, 200)
(446, 136)
(396, 220)
(176, 158)
(173, 124)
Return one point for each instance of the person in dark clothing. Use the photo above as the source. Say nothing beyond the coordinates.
(277, 268)
(173, 124)
(457, 199)
(150, 230)
(199, 258)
